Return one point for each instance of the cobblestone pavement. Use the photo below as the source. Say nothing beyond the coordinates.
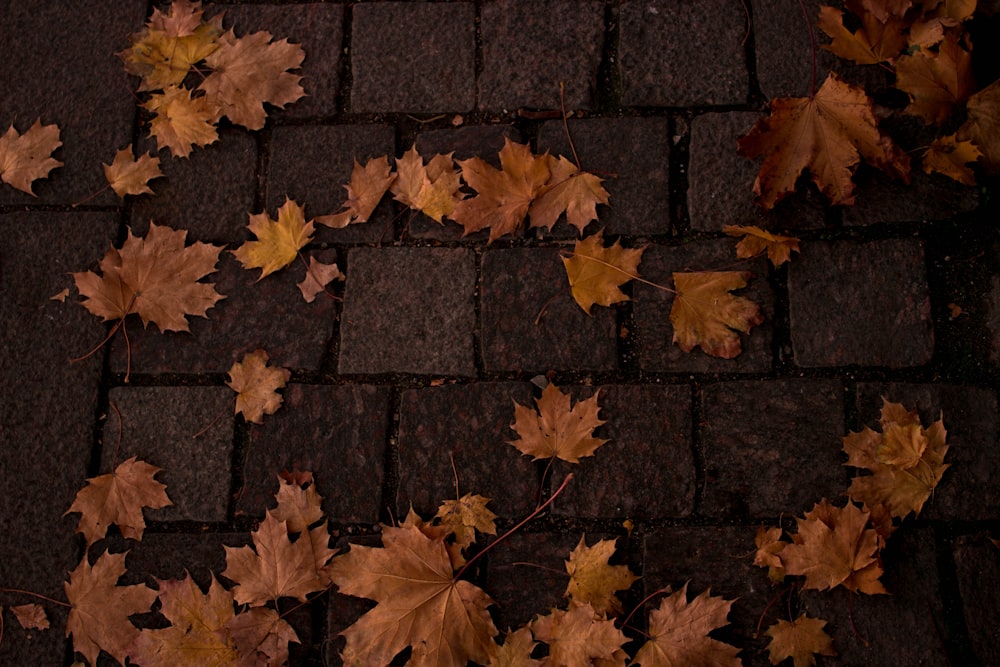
(436, 334)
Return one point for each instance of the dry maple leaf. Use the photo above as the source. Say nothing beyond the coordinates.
(364, 191)
(937, 82)
(951, 157)
(31, 616)
(299, 503)
(432, 189)
(801, 640)
(463, 517)
(678, 632)
(27, 157)
(706, 315)
(883, 10)
(98, 617)
(983, 125)
(129, 176)
(249, 72)
(593, 580)
(318, 276)
(578, 637)
(256, 385)
(828, 134)
(877, 40)
(278, 241)
(755, 241)
(155, 277)
(516, 650)
(595, 272)
(419, 603)
(769, 544)
(118, 498)
(261, 637)
(181, 121)
(557, 429)
(571, 191)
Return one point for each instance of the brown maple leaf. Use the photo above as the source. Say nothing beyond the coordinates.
(937, 82)
(571, 191)
(579, 636)
(419, 603)
(118, 498)
(181, 121)
(769, 545)
(828, 134)
(595, 272)
(951, 157)
(278, 241)
(983, 125)
(593, 580)
(463, 517)
(261, 637)
(99, 610)
(24, 158)
(877, 40)
(706, 315)
(128, 175)
(249, 72)
(755, 241)
(256, 385)
(516, 650)
(31, 616)
(299, 503)
(557, 429)
(318, 276)
(432, 189)
(883, 10)
(364, 191)
(801, 640)
(678, 632)
(155, 277)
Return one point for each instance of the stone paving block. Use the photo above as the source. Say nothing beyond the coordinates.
(928, 198)
(516, 284)
(902, 628)
(771, 448)
(474, 436)
(171, 555)
(269, 314)
(64, 71)
(318, 28)
(647, 469)
(210, 193)
(978, 568)
(652, 306)
(408, 310)
(970, 489)
(720, 181)
(632, 155)
(529, 48)
(861, 303)
(312, 164)
(336, 432)
(682, 53)
(413, 57)
(992, 303)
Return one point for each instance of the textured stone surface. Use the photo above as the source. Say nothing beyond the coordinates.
(336, 432)
(992, 300)
(413, 57)
(408, 310)
(195, 470)
(861, 303)
(978, 570)
(771, 448)
(927, 198)
(632, 155)
(516, 285)
(646, 471)
(652, 308)
(682, 53)
(529, 48)
(171, 555)
(473, 438)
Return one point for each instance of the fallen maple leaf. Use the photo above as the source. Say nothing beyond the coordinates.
(706, 315)
(129, 176)
(769, 545)
(299, 503)
(557, 429)
(801, 640)
(31, 616)
(951, 157)
(364, 191)
(595, 272)
(579, 636)
(278, 241)
(883, 10)
(118, 498)
(877, 40)
(181, 121)
(593, 580)
(828, 134)
(256, 385)
(571, 191)
(983, 125)
(155, 277)
(755, 241)
(318, 276)
(432, 189)
(261, 637)
(463, 517)
(952, 12)
(937, 82)
(516, 650)
(25, 158)
(99, 609)
(419, 603)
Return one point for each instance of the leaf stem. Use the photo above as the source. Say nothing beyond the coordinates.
(639, 606)
(569, 137)
(37, 595)
(312, 275)
(620, 270)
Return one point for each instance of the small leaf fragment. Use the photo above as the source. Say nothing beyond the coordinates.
(24, 158)
(31, 616)
(256, 385)
(755, 241)
(951, 157)
(364, 191)
(318, 276)
(801, 640)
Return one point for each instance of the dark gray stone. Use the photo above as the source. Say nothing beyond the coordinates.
(978, 570)
(408, 310)
(413, 57)
(516, 285)
(173, 555)
(529, 48)
(861, 303)
(682, 53)
(992, 302)
(771, 448)
(928, 198)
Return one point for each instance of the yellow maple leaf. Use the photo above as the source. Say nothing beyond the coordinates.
(571, 191)
(755, 241)
(256, 385)
(25, 158)
(951, 157)
(593, 580)
(181, 122)
(801, 640)
(432, 189)
(557, 429)
(130, 176)
(706, 315)
(278, 241)
(364, 191)
(595, 272)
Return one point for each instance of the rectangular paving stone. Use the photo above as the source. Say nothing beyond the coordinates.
(992, 303)
(652, 306)
(408, 310)
(771, 448)
(647, 469)
(978, 571)
(970, 488)
(517, 284)
(675, 53)
(632, 155)
(413, 57)
(928, 198)
(529, 48)
(173, 555)
(860, 303)
(158, 425)
(336, 432)
(474, 435)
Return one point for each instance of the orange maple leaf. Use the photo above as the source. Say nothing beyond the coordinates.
(571, 191)
(706, 315)
(464, 516)
(937, 82)
(128, 175)
(828, 134)
(557, 429)
(181, 121)
(256, 385)
(364, 191)
(877, 40)
(25, 158)
(299, 503)
(755, 241)
(579, 636)
(801, 640)
(593, 580)
(769, 544)
(432, 189)
(595, 272)
(278, 241)
(951, 157)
